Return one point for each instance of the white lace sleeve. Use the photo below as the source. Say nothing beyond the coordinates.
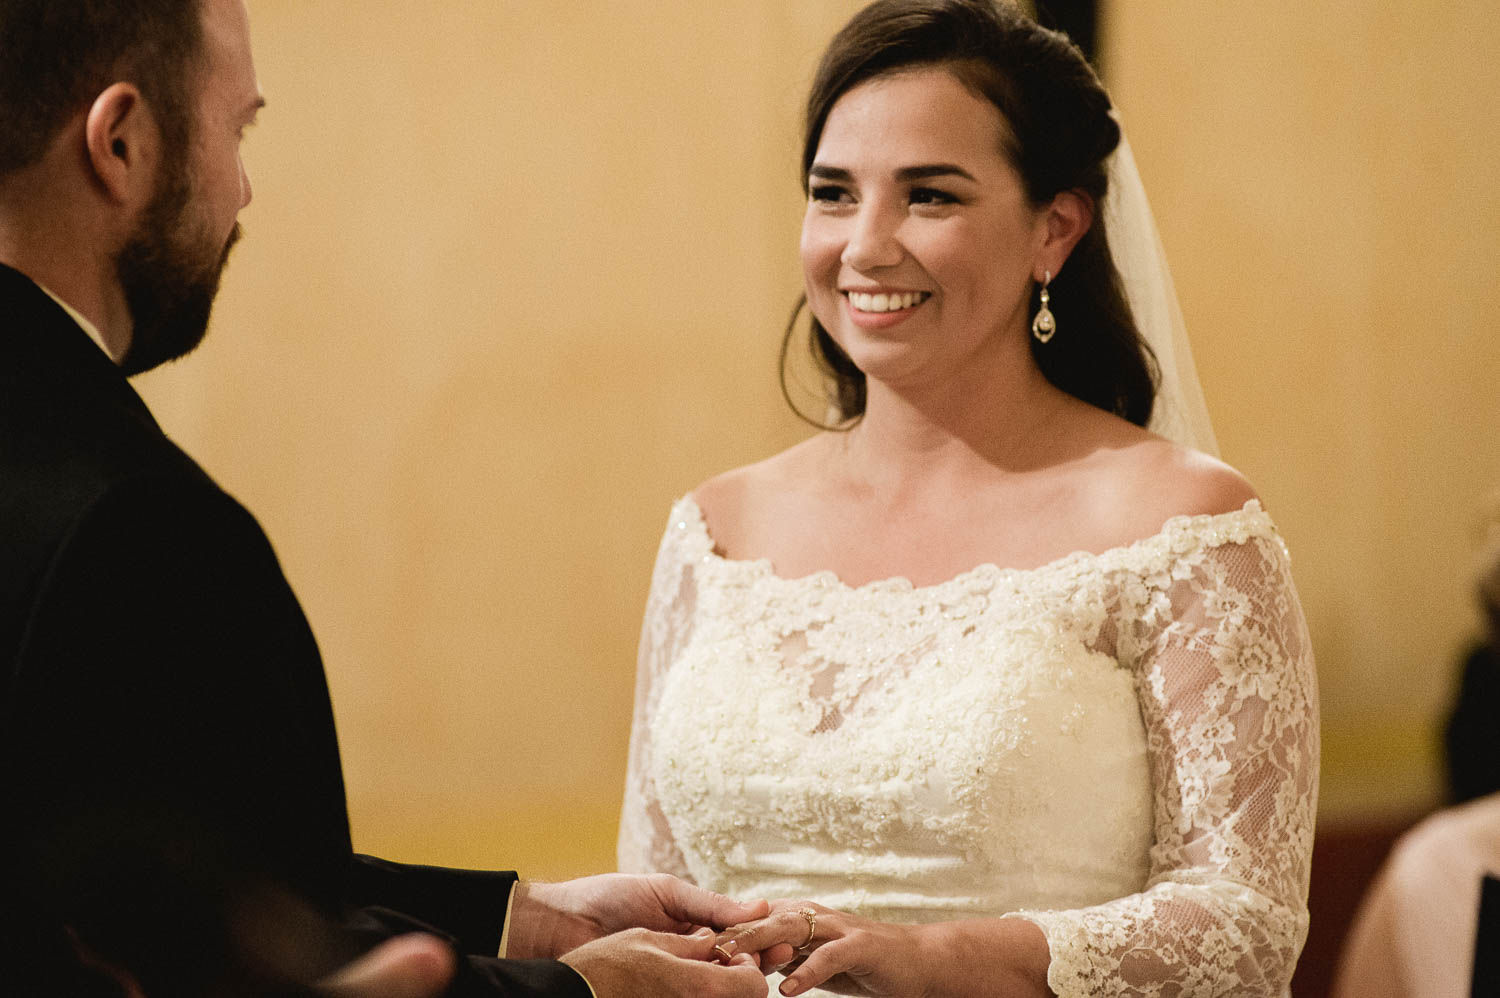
(1229, 700)
(646, 844)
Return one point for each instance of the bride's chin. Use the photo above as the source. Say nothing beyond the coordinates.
(894, 365)
(881, 355)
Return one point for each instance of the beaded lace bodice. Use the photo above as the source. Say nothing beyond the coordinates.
(1121, 747)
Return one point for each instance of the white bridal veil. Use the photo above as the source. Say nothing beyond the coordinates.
(1181, 414)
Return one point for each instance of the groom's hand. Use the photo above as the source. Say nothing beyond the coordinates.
(638, 963)
(548, 920)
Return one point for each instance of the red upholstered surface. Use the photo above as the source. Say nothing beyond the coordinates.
(1346, 857)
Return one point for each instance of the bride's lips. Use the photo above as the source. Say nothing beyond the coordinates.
(881, 308)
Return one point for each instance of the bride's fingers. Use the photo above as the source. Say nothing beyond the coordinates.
(822, 963)
(791, 928)
(776, 908)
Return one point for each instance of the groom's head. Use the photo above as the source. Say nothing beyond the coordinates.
(146, 101)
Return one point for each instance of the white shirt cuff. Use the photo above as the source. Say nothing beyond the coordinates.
(505, 929)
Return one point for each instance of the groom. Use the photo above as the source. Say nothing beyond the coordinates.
(172, 816)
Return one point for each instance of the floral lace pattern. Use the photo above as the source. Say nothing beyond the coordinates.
(1120, 747)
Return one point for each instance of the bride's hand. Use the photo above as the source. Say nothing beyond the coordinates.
(832, 949)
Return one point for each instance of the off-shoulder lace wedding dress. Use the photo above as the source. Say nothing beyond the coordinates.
(1121, 747)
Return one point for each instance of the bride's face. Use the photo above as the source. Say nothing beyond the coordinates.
(919, 244)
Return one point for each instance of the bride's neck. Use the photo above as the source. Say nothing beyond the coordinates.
(955, 431)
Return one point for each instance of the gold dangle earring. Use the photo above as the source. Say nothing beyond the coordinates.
(1045, 323)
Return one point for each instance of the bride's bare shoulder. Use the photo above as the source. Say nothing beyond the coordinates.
(1163, 480)
(738, 503)
(1133, 481)
(1148, 478)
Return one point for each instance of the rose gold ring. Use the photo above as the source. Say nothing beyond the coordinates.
(723, 953)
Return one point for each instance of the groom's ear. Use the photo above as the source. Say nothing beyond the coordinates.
(122, 145)
(1064, 222)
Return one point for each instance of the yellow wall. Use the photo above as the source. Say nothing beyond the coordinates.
(514, 280)
(1327, 181)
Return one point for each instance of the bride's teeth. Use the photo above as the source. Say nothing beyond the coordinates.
(886, 302)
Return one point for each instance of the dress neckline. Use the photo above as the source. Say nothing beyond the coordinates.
(1177, 535)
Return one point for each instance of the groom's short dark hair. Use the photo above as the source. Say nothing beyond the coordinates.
(57, 55)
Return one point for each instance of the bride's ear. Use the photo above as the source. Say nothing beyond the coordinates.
(1066, 219)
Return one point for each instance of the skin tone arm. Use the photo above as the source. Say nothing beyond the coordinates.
(968, 958)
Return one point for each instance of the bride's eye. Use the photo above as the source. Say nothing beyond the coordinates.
(829, 194)
(932, 196)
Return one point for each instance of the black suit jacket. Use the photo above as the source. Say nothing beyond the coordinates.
(171, 773)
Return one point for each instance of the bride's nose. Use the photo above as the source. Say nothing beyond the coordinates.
(873, 242)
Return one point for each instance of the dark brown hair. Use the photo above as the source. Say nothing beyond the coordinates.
(1059, 137)
(56, 56)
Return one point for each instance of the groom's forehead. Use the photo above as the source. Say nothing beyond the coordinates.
(228, 84)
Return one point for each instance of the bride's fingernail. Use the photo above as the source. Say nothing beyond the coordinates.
(789, 987)
(703, 932)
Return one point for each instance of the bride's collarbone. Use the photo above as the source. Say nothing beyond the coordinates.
(816, 522)
(923, 554)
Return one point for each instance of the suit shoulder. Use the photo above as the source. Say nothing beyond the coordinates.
(154, 528)
(74, 516)
(55, 472)
(176, 509)
(156, 556)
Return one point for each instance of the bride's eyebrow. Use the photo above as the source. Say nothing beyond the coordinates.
(906, 174)
(929, 170)
(820, 172)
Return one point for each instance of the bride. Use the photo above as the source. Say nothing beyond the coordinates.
(1086, 766)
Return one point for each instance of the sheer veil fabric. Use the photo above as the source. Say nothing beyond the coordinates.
(1181, 414)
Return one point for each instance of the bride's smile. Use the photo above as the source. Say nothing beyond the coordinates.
(918, 232)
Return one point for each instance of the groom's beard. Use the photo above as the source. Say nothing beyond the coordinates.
(169, 271)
